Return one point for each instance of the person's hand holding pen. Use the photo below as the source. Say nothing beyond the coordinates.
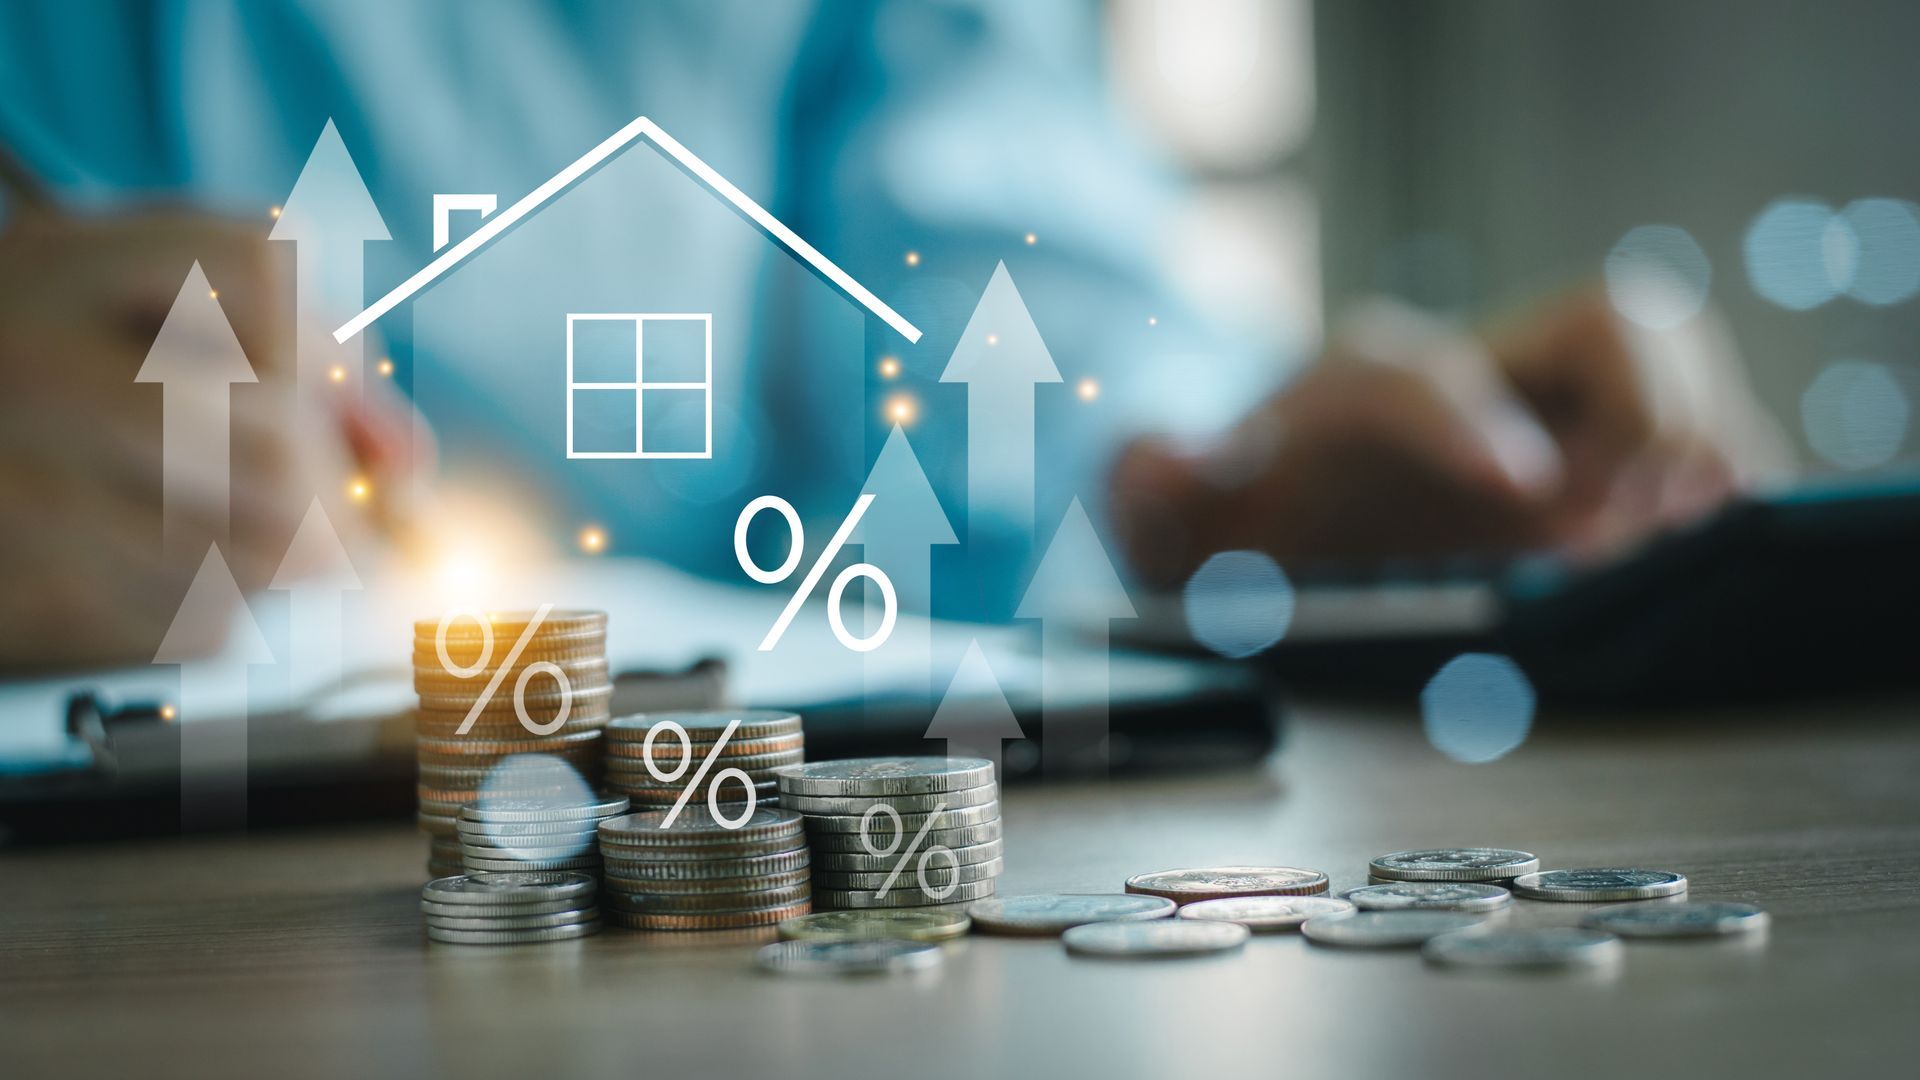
(1572, 430)
(81, 302)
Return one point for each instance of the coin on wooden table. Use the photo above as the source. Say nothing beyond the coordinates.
(1385, 929)
(514, 922)
(903, 923)
(1535, 948)
(1157, 938)
(519, 887)
(1695, 918)
(858, 956)
(1454, 864)
(513, 937)
(959, 799)
(1047, 914)
(886, 776)
(1265, 914)
(951, 818)
(1599, 883)
(1431, 896)
(1219, 882)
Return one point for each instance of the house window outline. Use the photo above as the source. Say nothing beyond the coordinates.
(640, 385)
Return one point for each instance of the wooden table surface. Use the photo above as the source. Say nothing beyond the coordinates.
(301, 954)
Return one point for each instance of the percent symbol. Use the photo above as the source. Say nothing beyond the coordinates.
(926, 857)
(890, 604)
(538, 667)
(668, 776)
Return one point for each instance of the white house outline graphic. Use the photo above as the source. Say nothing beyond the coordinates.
(640, 129)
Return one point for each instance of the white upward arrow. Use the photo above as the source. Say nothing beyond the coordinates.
(195, 360)
(974, 716)
(213, 744)
(328, 217)
(1074, 593)
(314, 573)
(897, 535)
(1000, 357)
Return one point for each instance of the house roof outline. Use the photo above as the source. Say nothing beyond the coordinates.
(640, 129)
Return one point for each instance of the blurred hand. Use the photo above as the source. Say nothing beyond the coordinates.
(1571, 430)
(81, 302)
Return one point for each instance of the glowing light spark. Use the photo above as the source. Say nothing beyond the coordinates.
(902, 409)
(889, 367)
(359, 489)
(168, 713)
(1032, 239)
(213, 294)
(913, 258)
(273, 212)
(337, 373)
(593, 540)
(386, 368)
(993, 339)
(1088, 389)
(1153, 320)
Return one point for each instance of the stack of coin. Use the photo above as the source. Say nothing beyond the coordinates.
(510, 909)
(455, 664)
(762, 741)
(865, 821)
(704, 874)
(498, 835)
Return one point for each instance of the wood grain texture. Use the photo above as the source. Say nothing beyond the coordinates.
(301, 954)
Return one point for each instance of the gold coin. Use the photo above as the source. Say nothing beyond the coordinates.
(556, 621)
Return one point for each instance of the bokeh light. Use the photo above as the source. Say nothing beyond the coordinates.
(593, 539)
(1657, 276)
(169, 713)
(386, 368)
(902, 409)
(358, 489)
(913, 258)
(540, 782)
(1800, 254)
(1238, 603)
(337, 373)
(1088, 389)
(1887, 235)
(273, 212)
(889, 367)
(1032, 239)
(1478, 707)
(1855, 414)
(1153, 320)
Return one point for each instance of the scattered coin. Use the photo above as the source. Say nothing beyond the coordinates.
(903, 923)
(513, 937)
(860, 956)
(1216, 883)
(1537, 947)
(1454, 864)
(1047, 914)
(1698, 918)
(1264, 914)
(1599, 883)
(1156, 938)
(1385, 929)
(1431, 896)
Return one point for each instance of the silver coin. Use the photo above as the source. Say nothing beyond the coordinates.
(886, 776)
(903, 895)
(1537, 947)
(746, 899)
(936, 873)
(523, 887)
(1046, 914)
(1265, 914)
(639, 853)
(468, 911)
(527, 832)
(513, 922)
(499, 866)
(437, 824)
(1385, 929)
(1431, 896)
(951, 818)
(1217, 882)
(1158, 938)
(1599, 883)
(704, 726)
(710, 869)
(1696, 918)
(513, 937)
(846, 863)
(1454, 864)
(707, 886)
(959, 799)
(759, 766)
(828, 843)
(860, 956)
(529, 854)
(910, 924)
(512, 811)
(696, 827)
